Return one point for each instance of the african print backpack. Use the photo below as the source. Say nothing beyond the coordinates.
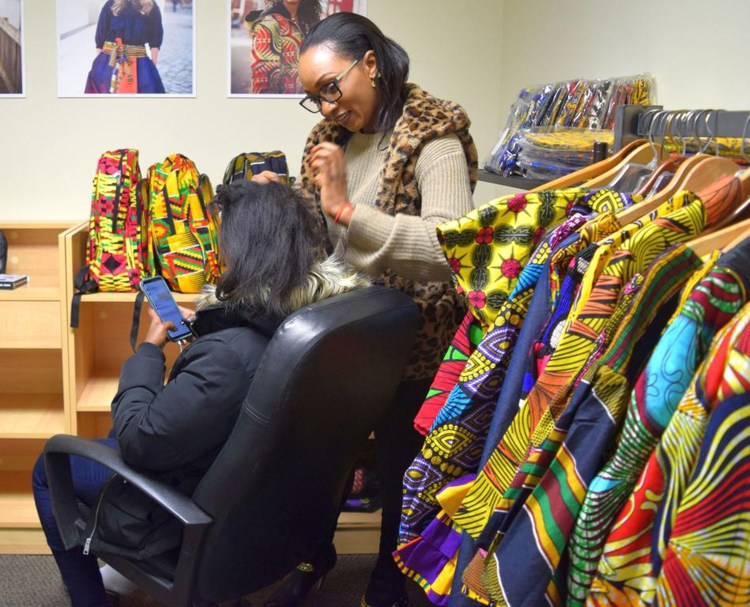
(182, 238)
(115, 249)
(244, 166)
(115, 255)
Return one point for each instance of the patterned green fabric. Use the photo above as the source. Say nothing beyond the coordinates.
(183, 232)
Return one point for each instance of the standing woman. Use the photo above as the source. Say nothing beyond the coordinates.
(128, 38)
(277, 34)
(387, 164)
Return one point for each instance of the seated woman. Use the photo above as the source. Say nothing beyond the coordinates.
(270, 243)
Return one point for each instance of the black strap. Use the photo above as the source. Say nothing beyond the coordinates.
(136, 319)
(83, 285)
(75, 306)
(3, 252)
(118, 191)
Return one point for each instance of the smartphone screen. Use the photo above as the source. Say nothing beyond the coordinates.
(160, 297)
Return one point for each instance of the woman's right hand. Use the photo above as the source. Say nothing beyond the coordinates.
(265, 177)
(157, 331)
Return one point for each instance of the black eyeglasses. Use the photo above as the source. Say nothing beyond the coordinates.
(329, 92)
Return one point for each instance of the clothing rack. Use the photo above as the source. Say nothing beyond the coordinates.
(641, 121)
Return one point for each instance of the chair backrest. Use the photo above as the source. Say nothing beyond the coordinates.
(276, 486)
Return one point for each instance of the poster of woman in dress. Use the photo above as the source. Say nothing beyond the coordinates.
(126, 47)
(264, 41)
(11, 48)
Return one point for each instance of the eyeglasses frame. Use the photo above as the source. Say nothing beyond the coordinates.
(318, 100)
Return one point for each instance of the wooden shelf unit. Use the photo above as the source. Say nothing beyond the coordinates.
(33, 382)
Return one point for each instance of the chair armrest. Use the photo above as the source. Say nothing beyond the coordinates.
(64, 503)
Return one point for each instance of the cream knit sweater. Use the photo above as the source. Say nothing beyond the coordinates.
(406, 244)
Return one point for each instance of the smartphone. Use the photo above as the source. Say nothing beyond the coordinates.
(160, 297)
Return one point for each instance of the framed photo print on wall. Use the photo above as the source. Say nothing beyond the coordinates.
(126, 47)
(12, 78)
(264, 41)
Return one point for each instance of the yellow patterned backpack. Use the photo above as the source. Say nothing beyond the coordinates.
(182, 238)
(247, 164)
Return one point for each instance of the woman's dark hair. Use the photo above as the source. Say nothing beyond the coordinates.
(309, 13)
(351, 35)
(269, 239)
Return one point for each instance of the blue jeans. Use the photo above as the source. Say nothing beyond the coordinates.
(80, 572)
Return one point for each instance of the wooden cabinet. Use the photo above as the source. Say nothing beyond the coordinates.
(56, 379)
(33, 381)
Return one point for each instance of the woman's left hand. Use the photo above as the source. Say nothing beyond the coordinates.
(328, 163)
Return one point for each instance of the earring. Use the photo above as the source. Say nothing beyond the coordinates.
(372, 81)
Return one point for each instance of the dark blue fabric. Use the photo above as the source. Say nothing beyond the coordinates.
(130, 26)
(88, 479)
(149, 80)
(559, 316)
(79, 572)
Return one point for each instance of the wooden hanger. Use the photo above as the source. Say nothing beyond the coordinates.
(591, 171)
(696, 173)
(723, 239)
(669, 165)
(738, 210)
(643, 154)
(722, 198)
(640, 209)
(742, 235)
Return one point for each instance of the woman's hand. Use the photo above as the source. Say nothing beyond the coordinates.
(265, 177)
(187, 313)
(329, 166)
(157, 331)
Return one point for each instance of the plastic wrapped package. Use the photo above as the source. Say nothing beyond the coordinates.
(574, 104)
(550, 153)
(519, 112)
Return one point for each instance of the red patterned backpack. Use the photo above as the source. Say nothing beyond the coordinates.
(116, 249)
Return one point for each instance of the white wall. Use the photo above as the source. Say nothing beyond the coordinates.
(49, 146)
(696, 49)
(477, 52)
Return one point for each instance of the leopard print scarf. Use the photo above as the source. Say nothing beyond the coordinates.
(423, 119)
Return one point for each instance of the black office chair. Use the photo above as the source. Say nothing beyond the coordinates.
(274, 490)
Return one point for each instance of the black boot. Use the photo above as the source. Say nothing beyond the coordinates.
(295, 586)
(385, 594)
(386, 587)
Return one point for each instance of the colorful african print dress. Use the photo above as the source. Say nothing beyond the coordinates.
(527, 561)
(123, 65)
(512, 387)
(634, 551)
(707, 557)
(710, 305)
(521, 457)
(578, 341)
(456, 440)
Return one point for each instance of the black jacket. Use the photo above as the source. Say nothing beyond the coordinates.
(175, 429)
